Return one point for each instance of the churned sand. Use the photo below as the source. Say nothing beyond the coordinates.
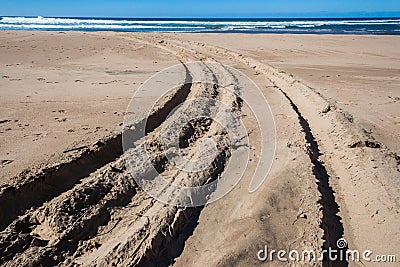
(67, 198)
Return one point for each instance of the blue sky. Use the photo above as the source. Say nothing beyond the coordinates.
(203, 8)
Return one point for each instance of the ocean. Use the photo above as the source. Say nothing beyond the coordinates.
(316, 26)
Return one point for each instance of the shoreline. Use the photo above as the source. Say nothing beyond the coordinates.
(217, 32)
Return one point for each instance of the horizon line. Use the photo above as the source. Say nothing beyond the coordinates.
(216, 17)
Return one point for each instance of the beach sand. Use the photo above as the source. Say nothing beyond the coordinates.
(66, 197)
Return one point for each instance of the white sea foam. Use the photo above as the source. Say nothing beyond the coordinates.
(42, 20)
(55, 26)
(180, 25)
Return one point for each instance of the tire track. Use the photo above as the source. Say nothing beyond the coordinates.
(53, 233)
(56, 177)
(338, 138)
(331, 221)
(88, 213)
(42, 185)
(45, 184)
(180, 224)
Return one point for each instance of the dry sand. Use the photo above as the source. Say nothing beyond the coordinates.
(66, 197)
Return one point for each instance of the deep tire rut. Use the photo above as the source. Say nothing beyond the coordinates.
(343, 151)
(331, 221)
(68, 228)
